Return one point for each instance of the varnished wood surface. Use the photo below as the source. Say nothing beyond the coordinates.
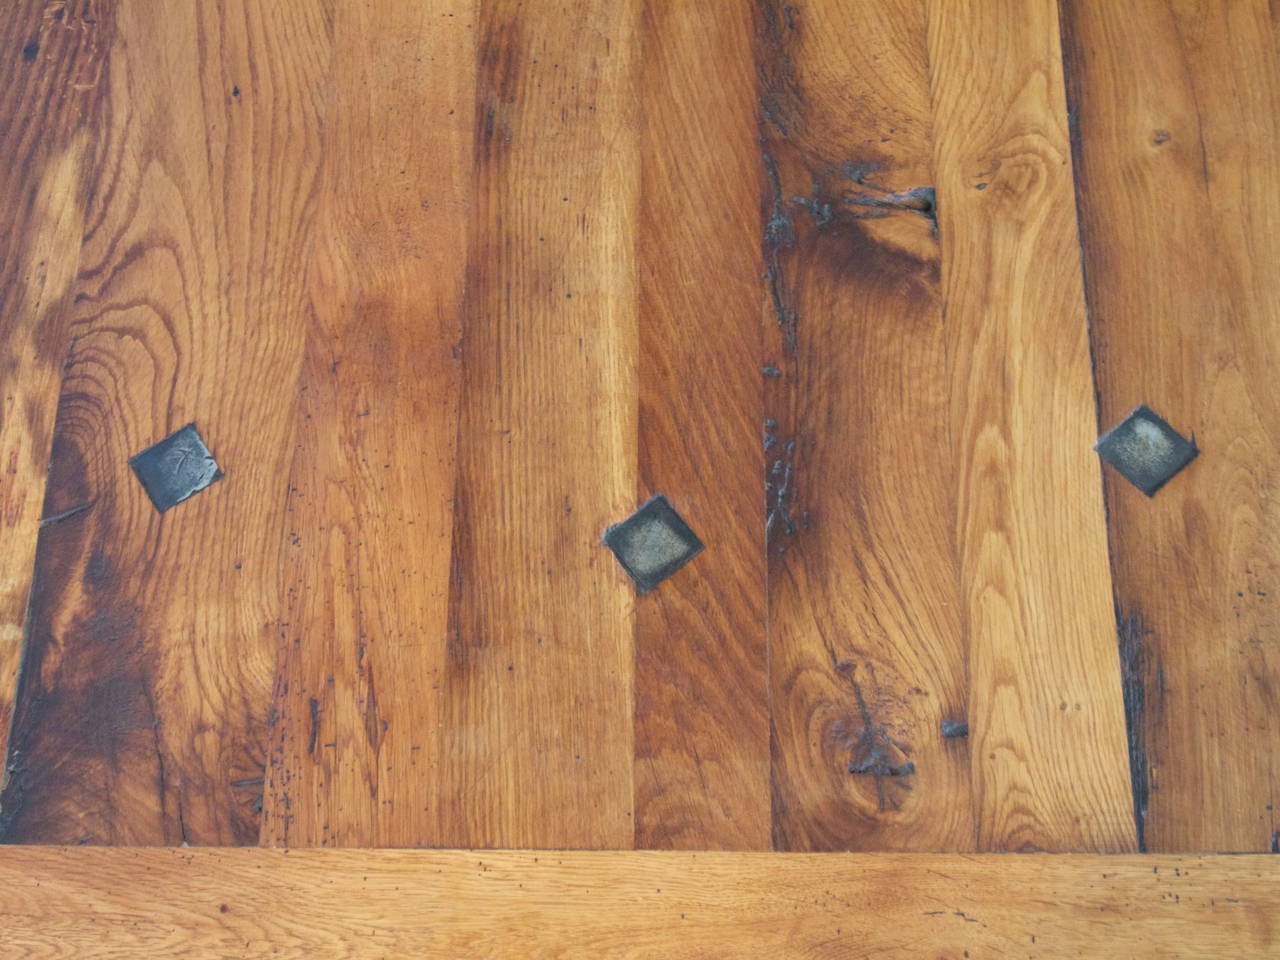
(306, 903)
(451, 288)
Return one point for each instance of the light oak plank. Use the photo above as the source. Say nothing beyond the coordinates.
(1050, 769)
(390, 904)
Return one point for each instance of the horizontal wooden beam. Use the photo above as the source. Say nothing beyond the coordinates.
(206, 902)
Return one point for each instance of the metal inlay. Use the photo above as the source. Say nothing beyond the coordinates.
(177, 467)
(1146, 450)
(652, 543)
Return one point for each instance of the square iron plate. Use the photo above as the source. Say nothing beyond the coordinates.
(1146, 450)
(652, 543)
(176, 468)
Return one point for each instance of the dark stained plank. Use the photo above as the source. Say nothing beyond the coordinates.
(1176, 154)
(1045, 715)
(866, 644)
(701, 665)
(152, 637)
(536, 744)
(454, 903)
(356, 742)
(52, 66)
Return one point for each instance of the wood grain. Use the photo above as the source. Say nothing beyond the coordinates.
(51, 97)
(148, 675)
(866, 642)
(1176, 151)
(392, 904)
(536, 749)
(356, 743)
(450, 288)
(1050, 765)
(701, 664)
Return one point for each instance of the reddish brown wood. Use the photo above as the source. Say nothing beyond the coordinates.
(701, 668)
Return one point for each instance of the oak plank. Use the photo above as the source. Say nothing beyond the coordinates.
(1046, 721)
(536, 748)
(58, 902)
(51, 98)
(143, 703)
(867, 646)
(701, 661)
(1176, 160)
(356, 741)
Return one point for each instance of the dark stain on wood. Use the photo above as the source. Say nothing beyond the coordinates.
(779, 234)
(457, 650)
(779, 94)
(374, 725)
(849, 245)
(824, 235)
(315, 726)
(84, 714)
(873, 751)
(1136, 672)
(781, 492)
(45, 107)
(815, 231)
(501, 71)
